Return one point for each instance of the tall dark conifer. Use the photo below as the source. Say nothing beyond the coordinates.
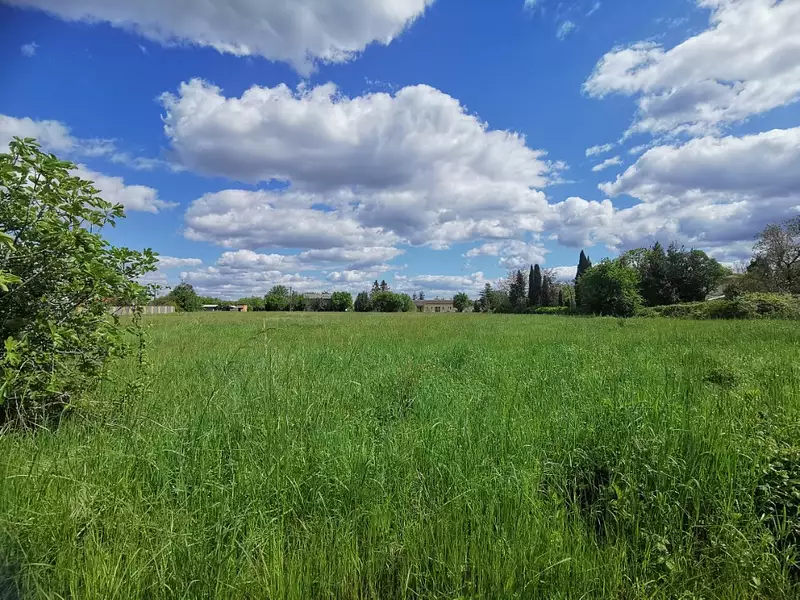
(584, 264)
(535, 290)
(545, 291)
(531, 297)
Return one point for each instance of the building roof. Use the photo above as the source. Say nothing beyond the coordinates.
(423, 302)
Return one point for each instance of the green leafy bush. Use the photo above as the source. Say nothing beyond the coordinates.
(610, 288)
(60, 277)
(756, 305)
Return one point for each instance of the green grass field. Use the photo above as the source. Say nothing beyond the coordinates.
(413, 456)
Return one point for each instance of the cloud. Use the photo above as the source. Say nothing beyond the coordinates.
(265, 219)
(595, 7)
(440, 285)
(357, 278)
(171, 262)
(411, 166)
(132, 197)
(763, 165)
(29, 49)
(55, 137)
(52, 135)
(564, 274)
(321, 139)
(602, 149)
(299, 32)
(610, 162)
(744, 64)
(711, 193)
(565, 29)
(513, 254)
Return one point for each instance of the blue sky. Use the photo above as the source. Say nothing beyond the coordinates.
(432, 143)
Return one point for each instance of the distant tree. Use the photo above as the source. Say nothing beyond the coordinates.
(546, 291)
(185, 298)
(531, 287)
(535, 289)
(297, 302)
(363, 302)
(777, 256)
(516, 291)
(486, 297)
(421, 295)
(693, 274)
(388, 302)
(584, 264)
(408, 303)
(656, 286)
(277, 299)
(461, 302)
(341, 301)
(561, 296)
(376, 287)
(384, 286)
(414, 296)
(609, 288)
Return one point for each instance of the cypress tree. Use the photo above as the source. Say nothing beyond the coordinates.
(535, 291)
(584, 264)
(531, 297)
(546, 291)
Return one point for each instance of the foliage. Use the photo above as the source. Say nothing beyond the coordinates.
(584, 264)
(693, 274)
(390, 302)
(609, 288)
(777, 257)
(184, 298)
(58, 278)
(341, 301)
(517, 287)
(677, 275)
(754, 305)
(535, 286)
(277, 299)
(363, 302)
(408, 303)
(461, 302)
(547, 287)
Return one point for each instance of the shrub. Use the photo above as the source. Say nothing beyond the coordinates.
(363, 302)
(610, 288)
(61, 276)
(757, 305)
(388, 302)
(185, 299)
(341, 301)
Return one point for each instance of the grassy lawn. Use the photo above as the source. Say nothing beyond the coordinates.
(419, 456)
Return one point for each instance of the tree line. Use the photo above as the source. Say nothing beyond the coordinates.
(648, 277)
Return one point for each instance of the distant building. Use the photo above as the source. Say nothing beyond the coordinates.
(317, 296)
(435, 306)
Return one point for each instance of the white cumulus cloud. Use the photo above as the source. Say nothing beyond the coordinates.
(609, 162)
(172, 262)
(744, 64)
(299, 32)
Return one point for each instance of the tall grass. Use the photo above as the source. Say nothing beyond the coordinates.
(413, 456)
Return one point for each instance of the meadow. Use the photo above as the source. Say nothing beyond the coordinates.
(419, 456)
